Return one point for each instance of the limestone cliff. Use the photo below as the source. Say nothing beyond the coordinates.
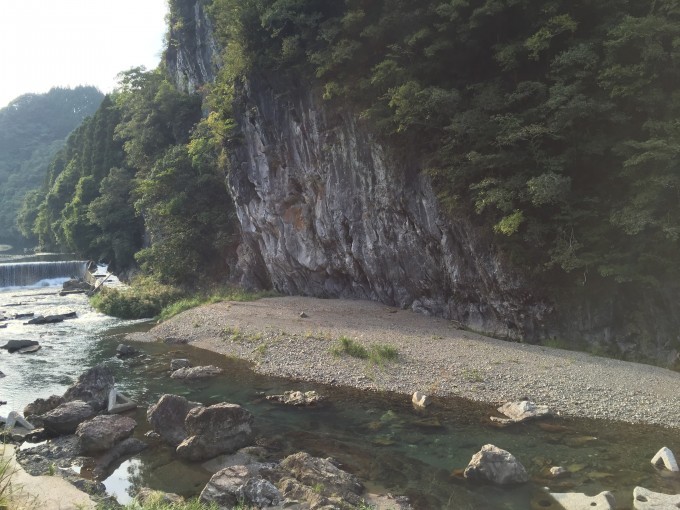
(326, 209)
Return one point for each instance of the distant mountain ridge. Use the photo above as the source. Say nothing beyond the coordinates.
(33, 127)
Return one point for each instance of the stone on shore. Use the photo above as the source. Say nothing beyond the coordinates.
(41, 406)
(297, 398)
(65, 418)
(196, 372)
(574, 501)
(102, 432)
(644, 499)
(92, 387)
(167, 416)
(214, 430)
(665, 458)
(497, 466)
(524, 410)
(420, 399)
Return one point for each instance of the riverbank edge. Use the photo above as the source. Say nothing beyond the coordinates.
(294, 337)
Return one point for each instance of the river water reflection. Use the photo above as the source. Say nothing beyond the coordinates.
(380, 437)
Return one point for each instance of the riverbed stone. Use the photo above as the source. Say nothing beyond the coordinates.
(644, 499)
(496, 465)
(213, 430)
(167, 416)
(665, 458)
(574, 501)
(196, 372)
(297, 398)
(65, 419)
(518, 412)
(102, 432)
(92, 387)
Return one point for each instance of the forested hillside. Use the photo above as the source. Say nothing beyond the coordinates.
(32, 129)
(548, 132)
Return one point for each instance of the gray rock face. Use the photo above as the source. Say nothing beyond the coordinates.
(92, 387)
(42, 406)
(329, 210)
(196, 372)
(644, 499)
(495, 465)
(65, 418)
(102, 432)
(211, 431)
(196, 60)
(167, 417)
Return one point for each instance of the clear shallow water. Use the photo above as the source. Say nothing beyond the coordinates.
(379, 437)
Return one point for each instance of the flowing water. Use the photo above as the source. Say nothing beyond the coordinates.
(380, 437)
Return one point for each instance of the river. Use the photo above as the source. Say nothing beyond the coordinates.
(379, 437)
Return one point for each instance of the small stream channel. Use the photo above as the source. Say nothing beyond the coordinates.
(379, 437)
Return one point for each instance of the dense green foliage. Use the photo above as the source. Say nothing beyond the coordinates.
(33, 128)
(553, 124)
(143, 299)
(137, 184)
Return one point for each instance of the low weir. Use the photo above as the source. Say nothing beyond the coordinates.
(21, 274)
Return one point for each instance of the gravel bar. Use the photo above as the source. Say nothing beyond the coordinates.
(294, 337)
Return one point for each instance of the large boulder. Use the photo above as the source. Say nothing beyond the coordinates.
(102, 432)
(495, 465)
(92, 387)
(644, 499)
(167, 416)
(313, 472)
(65, 418)
(241, 484)
(196, 372)
(211, 431)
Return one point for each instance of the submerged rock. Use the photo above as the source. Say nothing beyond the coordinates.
(497, 466)
(297, 398)
(518, 412)
(196, 372)
(15, 345)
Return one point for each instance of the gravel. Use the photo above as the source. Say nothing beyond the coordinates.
(435, 357)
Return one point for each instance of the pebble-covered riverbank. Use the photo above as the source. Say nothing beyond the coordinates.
(294, 337)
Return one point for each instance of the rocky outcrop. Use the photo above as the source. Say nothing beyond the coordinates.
(241, 484)
(192, 56)
(327, 208)
(492, 464)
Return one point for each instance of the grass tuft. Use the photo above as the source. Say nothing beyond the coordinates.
(377, 354)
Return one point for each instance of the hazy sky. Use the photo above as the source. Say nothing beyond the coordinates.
(50, 43)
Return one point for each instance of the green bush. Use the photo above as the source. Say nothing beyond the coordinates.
(145, 298)
(376, 354)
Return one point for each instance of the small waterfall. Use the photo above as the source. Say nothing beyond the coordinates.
(22, 274)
